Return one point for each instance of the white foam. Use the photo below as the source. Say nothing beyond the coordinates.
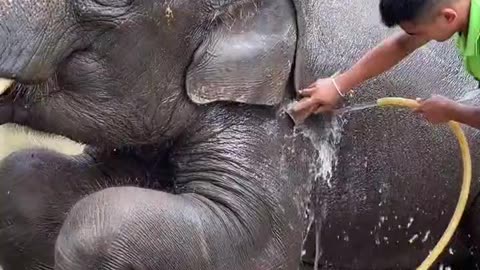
(410, 222)
(425, 238)
(325, 145)
(415, 237)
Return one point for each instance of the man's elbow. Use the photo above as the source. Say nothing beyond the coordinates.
(408, 43)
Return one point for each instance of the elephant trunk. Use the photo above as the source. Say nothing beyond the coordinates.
(35, 37)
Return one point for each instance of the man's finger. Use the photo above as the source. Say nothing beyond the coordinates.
(323, 109)
(300, 116)
(420, 101)
(307, 91)
(419, 108)
(303, 104)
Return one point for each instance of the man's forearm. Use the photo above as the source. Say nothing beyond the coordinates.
(378, 60)
(468, 115)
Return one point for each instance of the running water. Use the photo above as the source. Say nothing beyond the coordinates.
(325, 144)
(357, 107)
(468, 96)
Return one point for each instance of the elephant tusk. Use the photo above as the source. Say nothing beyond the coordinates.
(467, 178)
(5, 84)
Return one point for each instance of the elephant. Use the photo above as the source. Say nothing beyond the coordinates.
(188, 159)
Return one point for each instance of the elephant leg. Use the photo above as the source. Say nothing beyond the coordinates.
(135, 228)
(234, 207)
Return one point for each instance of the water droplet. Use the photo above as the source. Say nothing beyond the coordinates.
(410, 222)
(413, 238)
(425, 238)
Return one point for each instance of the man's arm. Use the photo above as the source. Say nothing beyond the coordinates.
(323, 95)
(383, 57)
(439, 109)
(468, 115)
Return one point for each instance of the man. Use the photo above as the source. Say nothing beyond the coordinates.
(421, 22)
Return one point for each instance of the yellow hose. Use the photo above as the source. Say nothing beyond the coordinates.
(467, 178)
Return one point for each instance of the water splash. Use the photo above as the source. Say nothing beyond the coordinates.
(468, 96)
(442, 267)
(318, 248)
(325, 145)
(357, 107)
(318, 231)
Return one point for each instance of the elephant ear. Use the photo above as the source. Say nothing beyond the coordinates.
(248, 56)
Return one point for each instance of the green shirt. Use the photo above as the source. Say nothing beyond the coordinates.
(469, 45)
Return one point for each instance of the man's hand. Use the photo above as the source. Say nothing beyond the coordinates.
(323, 96)
(437, 109)
(319, 97)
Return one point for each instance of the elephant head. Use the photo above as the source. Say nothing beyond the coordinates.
(122, 73)
(135, 72)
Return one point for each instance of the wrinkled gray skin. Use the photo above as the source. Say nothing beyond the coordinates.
(192, 163)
